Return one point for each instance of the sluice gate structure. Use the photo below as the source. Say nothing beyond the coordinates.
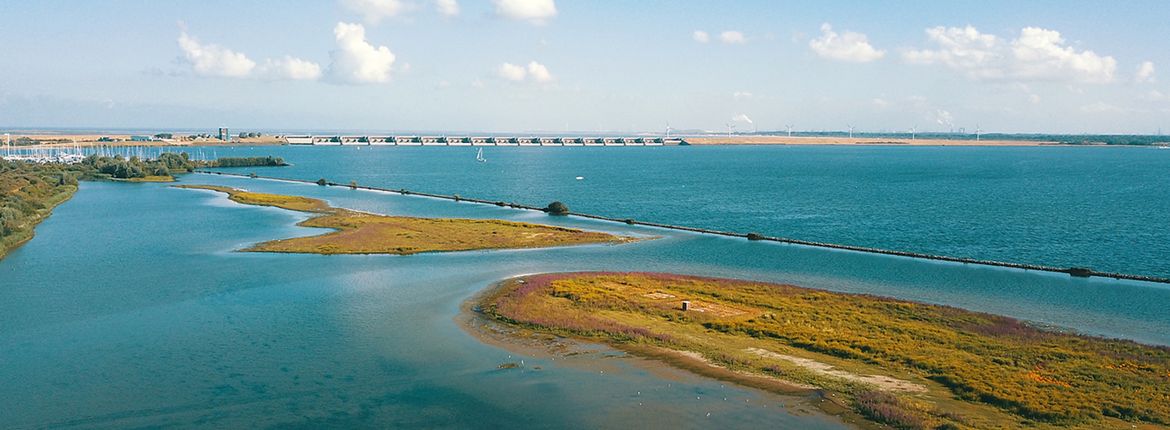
(413, 140)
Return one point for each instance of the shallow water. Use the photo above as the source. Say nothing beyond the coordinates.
(1100, 207)
(130, 308)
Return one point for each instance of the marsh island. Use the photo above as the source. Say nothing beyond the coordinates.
(365, 233)
(904, 364)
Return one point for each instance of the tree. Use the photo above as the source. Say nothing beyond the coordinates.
(557, 208)
(322, 182)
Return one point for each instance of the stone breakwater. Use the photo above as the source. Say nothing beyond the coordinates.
(1072, 271)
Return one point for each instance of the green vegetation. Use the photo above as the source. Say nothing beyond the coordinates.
(322, 182)
(365, 233)
(904, 364)
(96, 167)
(557, 208)
(162, 169)
(28, 194)
(30, 191)
(268, 161)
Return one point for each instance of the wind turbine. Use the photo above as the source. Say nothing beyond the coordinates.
(730, 127)
(789, 127)
(913, 132)
(978, 131)
(850, 131)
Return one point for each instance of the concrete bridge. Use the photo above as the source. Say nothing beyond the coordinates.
(412, 140)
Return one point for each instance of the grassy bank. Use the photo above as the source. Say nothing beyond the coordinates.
(364, 233)
(28, 194)
(904, 364)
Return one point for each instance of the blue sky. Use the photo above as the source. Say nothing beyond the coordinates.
(551, 65)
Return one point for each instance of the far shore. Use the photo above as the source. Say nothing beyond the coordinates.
(820, 140)
(47, 141)
(50, 141)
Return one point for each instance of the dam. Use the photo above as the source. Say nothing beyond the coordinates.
(416, 140)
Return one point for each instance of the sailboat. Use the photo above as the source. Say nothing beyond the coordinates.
(479, 156)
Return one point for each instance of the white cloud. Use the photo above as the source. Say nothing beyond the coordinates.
(289, 68)
(512, 72)
(701, 36)
(214, 60)
(535, 71)
(1036, 54)
(355, 60)
(1041, 54)
(848, 46)
(1145, 72)
(964, 49)
(742, 118)
(447, 7)
(732, 37)
(374, 11)
(534, 11)
(539, 72)
(741, 95)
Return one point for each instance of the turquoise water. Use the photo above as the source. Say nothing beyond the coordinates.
(1106, 208)
(129, 308)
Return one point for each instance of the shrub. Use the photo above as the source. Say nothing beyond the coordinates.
(353, 185)
(755, 236)
(886, 408)
(557, 208)
(322, 182)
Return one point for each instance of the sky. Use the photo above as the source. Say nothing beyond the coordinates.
(598, 65)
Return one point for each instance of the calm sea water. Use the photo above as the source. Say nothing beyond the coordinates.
(1107, 208)
(130, 308)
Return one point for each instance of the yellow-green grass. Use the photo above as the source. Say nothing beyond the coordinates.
(904, 364)
(365, 233)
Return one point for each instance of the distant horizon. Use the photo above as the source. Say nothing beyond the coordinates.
(49, 131)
